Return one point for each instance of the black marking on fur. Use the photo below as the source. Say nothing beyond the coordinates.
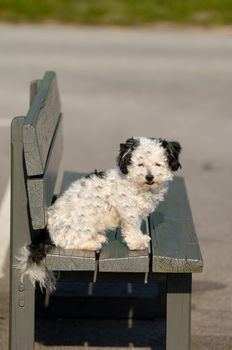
(173, 149)
(40, 247)
(100, 174)
(125, 154)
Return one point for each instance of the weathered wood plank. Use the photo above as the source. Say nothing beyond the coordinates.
(174, 242)
(70, 260)
(21, 330)
(20, 228)
(41, 189)
(116, 257)
(34, 88)
(40, 124)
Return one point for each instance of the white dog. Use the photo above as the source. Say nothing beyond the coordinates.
(122, 196)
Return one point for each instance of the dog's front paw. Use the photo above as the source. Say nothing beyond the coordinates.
(91, 245)
(139, 242)
(101, 238)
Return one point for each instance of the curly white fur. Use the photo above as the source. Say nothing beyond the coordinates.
(34, 272)
(80, 218)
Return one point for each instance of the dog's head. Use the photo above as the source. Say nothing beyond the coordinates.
(149, 162)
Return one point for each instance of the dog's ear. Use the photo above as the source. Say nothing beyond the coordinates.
(173, 149)
(125, 154)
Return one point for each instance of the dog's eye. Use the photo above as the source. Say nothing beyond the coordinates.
(157, 164)
(141, 164)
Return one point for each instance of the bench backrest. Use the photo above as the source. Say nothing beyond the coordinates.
(42, 144)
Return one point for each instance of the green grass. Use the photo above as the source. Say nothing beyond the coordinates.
(119, 12)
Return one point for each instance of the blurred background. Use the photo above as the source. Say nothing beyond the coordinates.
(133, 68)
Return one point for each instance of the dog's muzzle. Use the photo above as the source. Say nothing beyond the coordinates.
(150, 179)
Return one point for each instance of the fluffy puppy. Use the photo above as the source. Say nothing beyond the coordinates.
(122, 196)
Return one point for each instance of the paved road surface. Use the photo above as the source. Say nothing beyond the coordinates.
(117, 83)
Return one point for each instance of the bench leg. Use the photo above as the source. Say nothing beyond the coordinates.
(178, 317)
(22, 316)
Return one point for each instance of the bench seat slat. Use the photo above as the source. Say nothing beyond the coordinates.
(41, 189)
(40, 124)
(116, 257)
(174, 242)
(70, 260)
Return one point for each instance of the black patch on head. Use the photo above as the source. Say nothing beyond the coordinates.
(125, 154)
(100, 174)
(173, 149)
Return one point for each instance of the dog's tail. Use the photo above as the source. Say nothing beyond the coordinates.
(31, 263)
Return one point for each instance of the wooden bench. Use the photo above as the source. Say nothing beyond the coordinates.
(36, 142)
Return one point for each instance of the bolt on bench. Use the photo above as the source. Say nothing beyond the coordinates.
(174, 254)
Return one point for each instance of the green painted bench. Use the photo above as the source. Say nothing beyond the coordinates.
(174, 254)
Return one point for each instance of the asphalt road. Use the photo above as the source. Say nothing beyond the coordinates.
(117, 83)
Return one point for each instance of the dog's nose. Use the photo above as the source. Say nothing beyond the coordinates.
(149, 178)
